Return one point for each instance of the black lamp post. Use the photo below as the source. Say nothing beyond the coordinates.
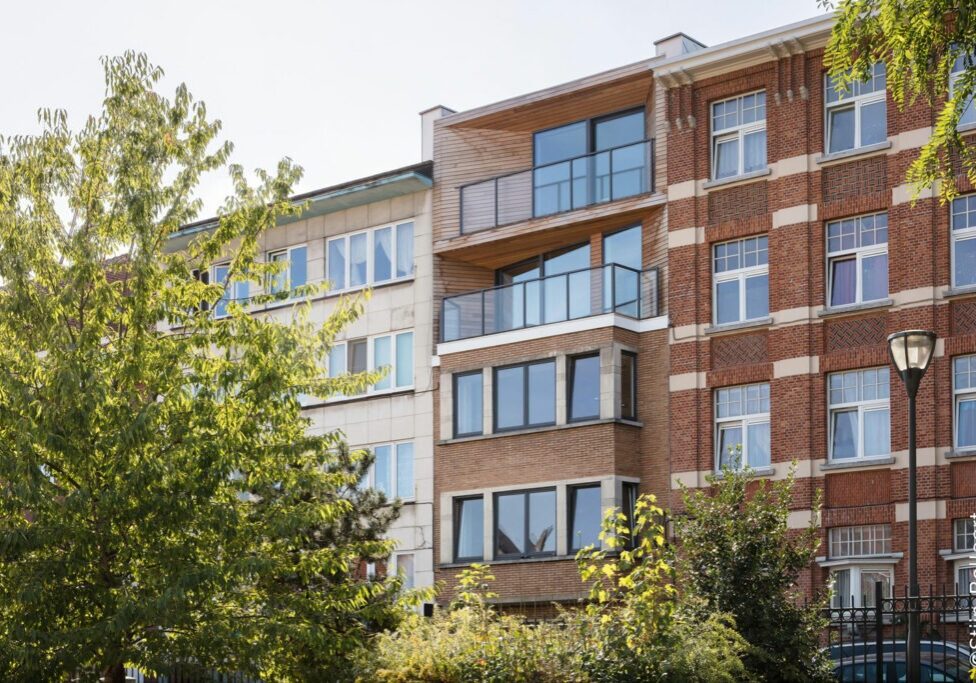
(911, 352)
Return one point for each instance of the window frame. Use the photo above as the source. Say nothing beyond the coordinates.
(525, 493)
(632, 415)
(743, 421)
(370, 478)
(966, 533)
(862, 407)
(957, 235)
(855, 569)
(395, 565)
(454, 402)
(959, 396)
(957, 69)
(591, 123)
(629, 493)
(880, 533)
(229, 287)
(855, 102)
(860, 253)
(456, 504)
(287, 273)
(739, 275)
(346, 239)
(571, 385)
(571, 492)
(371, 390)
(737, 133)
(525, 424)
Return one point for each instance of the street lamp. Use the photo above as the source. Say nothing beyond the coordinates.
(911, 352)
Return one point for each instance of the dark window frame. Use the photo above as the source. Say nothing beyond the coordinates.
(525, 395)
(539, 260)
(571, 384)
(454, 403)
(590, 131)
(633, 385)
(630, 492)
(525, 493)
(457, 503)
(571, 508)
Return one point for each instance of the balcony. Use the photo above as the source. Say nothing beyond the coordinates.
(556, 298)
(594, 178)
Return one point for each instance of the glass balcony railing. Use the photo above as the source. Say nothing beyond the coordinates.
(561, 186)
(556, 298)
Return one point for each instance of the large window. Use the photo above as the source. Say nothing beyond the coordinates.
(392, 470)
(857, 117)
(237, 290)
(628, 385)
(962, 64)
(964, 399)
(859, 414)
(371, 257)
(860, 541)
(532, 292)
(585, 516)
(392, 353)
(962, 534)
(739, 135)
(468, 400)
(857, 259)
(469, 529)
(854, 582)
(525, 523)
(742, 426)
(584, 387)
(621, 286)
(741, 280)
(403, 565)
(964, 241)
(295, 271)
(525, 395)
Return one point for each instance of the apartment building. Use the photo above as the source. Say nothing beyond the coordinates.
(794, 249)
(371, 233)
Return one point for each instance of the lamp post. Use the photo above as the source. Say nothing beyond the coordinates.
(911, 351)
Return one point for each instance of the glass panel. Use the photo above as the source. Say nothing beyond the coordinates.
(730, 447)
(966, 423)
(510, 524)
(628, 378)
(337, 360)
(596, 167)
(509, 398)
(382, 254)
(623, 247)
(626, 294)
(404, 565)
(556, 305)
(874, 127)
(844, 434)
(404, 359)
(383, 480)
(468, 404)
(542, 522)
(542, 393)
(298, 267)
(357, 356)
(874, 274)
(470, 525)
(585, 399)
(357, 260)
(842, 588)
(757, 297)
(579, 294)
(965, 262)
(404, 461)
(220, 277)
(727, 158)
(337, 263)
(840, 129)
(509, 307)
(560, 143)
(843, 282)
(566, 260)
(404, 247)
(868, 579)
(586, 520)
(381, 360)
(759, 446)
(877, 438)
(727, 302)
(754, 151)
(533, 302)
(965, 579)
(619, 130)
(627, 165)
(551, 189)
(279, 281)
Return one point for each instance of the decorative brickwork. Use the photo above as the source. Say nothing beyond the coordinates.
(737, 203)
(963, 479)
(964, 317)
(849, 334)
(846, 489)
(855, 179)
(743, 349)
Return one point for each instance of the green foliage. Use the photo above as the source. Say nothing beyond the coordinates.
(737, 556)
(919, 41)
(161, 497)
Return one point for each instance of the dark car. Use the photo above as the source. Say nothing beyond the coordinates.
(845, 652)
(935, 668)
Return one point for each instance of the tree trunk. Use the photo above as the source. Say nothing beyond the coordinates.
(115, 673)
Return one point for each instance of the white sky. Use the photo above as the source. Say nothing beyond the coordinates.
(337, 86)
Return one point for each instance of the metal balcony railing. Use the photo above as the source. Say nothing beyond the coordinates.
(565, 296)
(594, 178)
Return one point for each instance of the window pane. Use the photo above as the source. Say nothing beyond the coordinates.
(868, 579)
(404, 246)
(357, 260)
(757, 297)
(840, 129)
(628, 376)
(357, 356)
(874, 273)
(467, 404)
(279, 281)
(383, 481)
(382, 256)
(843, 282)
(754, 154)
(844, 444)
(542, 522)
(404, 460)
(509, 399)
(404, 359)
(542, 393)
(965, 578)
(220, 277)
(560, 143)
(877, 439)
(337, 360)
(510, 524)
(298, 267)
(470, 525)
(759, 450)
(337, 263)
(730, 447)
(966, 423)
(623, 247)
(965, 262)
(585, 399)
(727, 158)
(842, 588)
(874, 127)
(381, 360)
(404, 566)
(585, 529)
(619, 131)
(727, 302)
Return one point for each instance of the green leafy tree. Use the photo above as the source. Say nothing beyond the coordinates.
(161, 499)
(736, 555)
(919, 41)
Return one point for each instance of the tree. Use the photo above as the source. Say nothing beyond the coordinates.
(161, 500)
(738, 556)
(919, 41)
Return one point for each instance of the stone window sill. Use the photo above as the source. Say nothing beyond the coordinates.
(755, 472)
(734, 327)
(854, 153)
(960, 453)
(959, 291)
(966, 128)
(854, 308)
(514, 560)
(536, 430)
(744, 178)
(855, 464)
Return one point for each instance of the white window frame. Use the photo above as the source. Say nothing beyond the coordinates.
(960, 395)
(958, 67)
(737, 133)
(859, 253)
(236, 292)
(395, 563)
(371, 363)
(741, 274)
(288, 271)
(960, 235)
(962, 529)
(862, 407)
(877, 536)
(744, 420)
(958, 566)
(370, 233)
(853, 98)
(855, 570)
(370, 478)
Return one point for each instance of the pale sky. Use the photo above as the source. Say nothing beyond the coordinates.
(337, 86)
